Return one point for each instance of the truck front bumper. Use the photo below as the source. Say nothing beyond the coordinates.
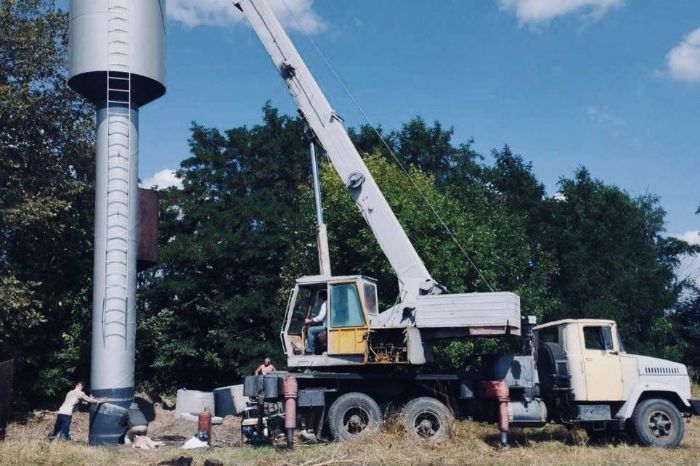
(695, 407)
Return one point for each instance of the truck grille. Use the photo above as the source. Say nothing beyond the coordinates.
(661, 370)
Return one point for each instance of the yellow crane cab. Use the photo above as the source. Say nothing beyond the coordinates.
(350, 302)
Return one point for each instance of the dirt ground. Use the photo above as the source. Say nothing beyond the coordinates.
(162, 425)
(471, 443)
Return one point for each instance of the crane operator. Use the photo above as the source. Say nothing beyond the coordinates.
(315, 329)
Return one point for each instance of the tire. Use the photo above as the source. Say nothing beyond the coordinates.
(428, 419)
(551, 373)
(657, 423)
(353, 415)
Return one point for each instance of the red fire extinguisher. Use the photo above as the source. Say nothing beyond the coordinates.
(204, 424)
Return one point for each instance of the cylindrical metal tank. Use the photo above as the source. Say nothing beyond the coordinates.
(118, 62)
(119, 36)
(114, 274)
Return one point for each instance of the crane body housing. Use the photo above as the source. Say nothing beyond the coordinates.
(424, 310)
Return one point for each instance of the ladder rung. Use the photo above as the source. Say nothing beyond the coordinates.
(113, 298)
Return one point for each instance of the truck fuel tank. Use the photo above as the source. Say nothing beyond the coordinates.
(523, 413)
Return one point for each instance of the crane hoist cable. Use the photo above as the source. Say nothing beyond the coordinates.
(357, 105)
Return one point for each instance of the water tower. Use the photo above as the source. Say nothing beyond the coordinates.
(117, 61)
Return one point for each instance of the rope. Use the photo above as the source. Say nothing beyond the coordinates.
(386, 145)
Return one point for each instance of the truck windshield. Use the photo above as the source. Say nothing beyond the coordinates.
(619, 341)
(598, 338)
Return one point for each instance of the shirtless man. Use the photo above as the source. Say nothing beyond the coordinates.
(265, 368)
(65, 412)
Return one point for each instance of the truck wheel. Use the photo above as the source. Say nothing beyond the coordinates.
(428, 419)
(657, 423)
(353, 414)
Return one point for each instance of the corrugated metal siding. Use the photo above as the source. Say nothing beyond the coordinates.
(468, 309)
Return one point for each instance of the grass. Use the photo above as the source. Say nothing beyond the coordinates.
(472, 443)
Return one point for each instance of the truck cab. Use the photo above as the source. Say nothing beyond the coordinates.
(583, 365)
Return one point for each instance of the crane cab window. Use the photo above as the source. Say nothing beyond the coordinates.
(598, 338)
(370, 295)
(346, 309)
(307, 305)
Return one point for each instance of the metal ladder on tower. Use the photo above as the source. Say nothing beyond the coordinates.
(116, 292)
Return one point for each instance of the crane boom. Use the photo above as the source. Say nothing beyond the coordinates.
(414, 278)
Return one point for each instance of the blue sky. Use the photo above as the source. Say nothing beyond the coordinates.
(610, 84)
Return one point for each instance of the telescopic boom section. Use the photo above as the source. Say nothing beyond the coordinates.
(414, 278)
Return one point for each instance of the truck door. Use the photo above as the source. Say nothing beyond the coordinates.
(602, 365)
(348, 321)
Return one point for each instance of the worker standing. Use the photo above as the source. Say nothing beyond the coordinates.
(265, 368)
(65, 412)
(315, 330)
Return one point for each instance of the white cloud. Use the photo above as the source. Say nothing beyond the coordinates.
(692, 236)
(163, 179)
(537, 12)
(602, 114)
(683, 60)
(194, 13)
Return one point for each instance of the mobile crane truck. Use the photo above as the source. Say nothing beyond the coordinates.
(366, 362)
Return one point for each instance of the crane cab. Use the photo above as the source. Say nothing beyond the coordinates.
(350, 303)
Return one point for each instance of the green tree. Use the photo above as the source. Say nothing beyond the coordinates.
(684, 341)
(613, 259)
(46, 173)
(212, 309)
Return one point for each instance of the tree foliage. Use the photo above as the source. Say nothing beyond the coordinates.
(46, 175)
(213, 307)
